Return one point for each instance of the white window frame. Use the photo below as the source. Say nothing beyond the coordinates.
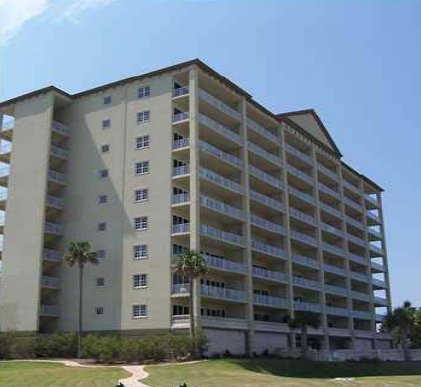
(107, 148)
(101, 198)
(143, 247)
(141, 279)
(141, 190)
(145, 166)
(101, 172)
(101, 252)
(143, 138)
(99, 226)
(107, 100)
(143, 117)
(142, 309)
(144, 92)
(106, 124)
(141, 220)
(98, 280)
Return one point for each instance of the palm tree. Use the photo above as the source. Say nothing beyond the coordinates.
(191, 265)
(79, 253)
(402, 321)
(303, 320)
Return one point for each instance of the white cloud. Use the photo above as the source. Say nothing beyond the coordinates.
(15, 13)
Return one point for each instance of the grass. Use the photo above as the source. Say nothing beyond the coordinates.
(33, 374)
(284, 373)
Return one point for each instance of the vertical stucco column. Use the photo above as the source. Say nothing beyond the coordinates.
(248, 258)
(194, 177)
(288, 248)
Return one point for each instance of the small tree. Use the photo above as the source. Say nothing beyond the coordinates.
(191, 265)
(79, 253)
(402, 322)
(302, 321)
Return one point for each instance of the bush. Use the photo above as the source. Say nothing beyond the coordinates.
(22, 348)
(101, 348)
(6, 340)
(61, 344)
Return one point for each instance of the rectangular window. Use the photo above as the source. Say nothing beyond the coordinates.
(144, 92)
(107, 100)
(141, 195)
(142, 167)
(141, 223)
(103, 173)
(105, 148)
(140, 280)
(101, 254)
(100, 281)
(102, 226)
(144, 116)
(139, 311)
(142, 142)
(140, 251)
(102, 199)
(106, 124)
(99, 310)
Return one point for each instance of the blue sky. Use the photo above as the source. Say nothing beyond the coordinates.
(357, 63)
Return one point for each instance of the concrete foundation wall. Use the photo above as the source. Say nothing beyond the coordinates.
(222, 340)
(269, 341)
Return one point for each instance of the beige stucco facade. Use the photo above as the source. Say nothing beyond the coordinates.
(284, 224)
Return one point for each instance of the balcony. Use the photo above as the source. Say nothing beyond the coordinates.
(182, 228)
(270, 250)
(267, 201)
(225, 264)
(224, 236)
(354, 222)
(358, 241)
(379, 283)
(270, 275)
(223, 293)
(4, 176)
(304, 260)
(299, 236)
(216, 103)
(301, 155)
(362, 315)
(224, 322)
(351, 187)
(59, 152)
(52, 255)
(5, 152)
(302, 216)
(216, 127)
(307, 306)
(357, 259)
(266, 225)
(354, 205)
(330, 210)
(50, 282)
(333, 249)
(6, 130)
(181, 321)
(373, 201)
(180, 117)
(221, 155)
(375, 220)
(378, 267)
(333, 230)
(337, 311)
(327, 172)
(3, 199)
(265, 177)
(359, 276)
(300, 174)
(257, 128)
(180, 289)
(360, 296)
(181, 170)
(257, 150)
(60, 128)
(301, 195)
(56, 177)
(336, 290)
(222, 208)
(182, 198)
(374, 234)
(55, 202)
(53, 228)
(329, 191)
(271, 301)
(334, 269)
(306, 283)
(378, 251)
(181, 143)
(49, 311)
(380, 317)
(221, 181)
(180, 91)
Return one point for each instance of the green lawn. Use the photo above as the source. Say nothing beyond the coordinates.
(33, 374)
(284, 373)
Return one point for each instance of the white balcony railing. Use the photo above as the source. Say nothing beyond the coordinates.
(302, 216)
(274, 159)
(225, 236)
(327, 172)
(220, 129)
(333, 230)
(376, 249)
(267, 201)
(268, 249)
(374, 217)
(270, 274)
(53, 228)
(331, 210)
(61, 128)
(377, 266)
(49, 310)
(269, 179)
(359, 276)
(372, 200)
(221, 207)
(375, 233)
(329, 191)
(379, 283)
(362, 315)
(7, 125)
(180, 228)
(56, 177)
(221, 181)
(221, 106)
(333, 249)
(307, 306)
(353, 204)
(52, 255)
(351, 187)
(357, 258)
(253, 125)
(231, 159)
(54, 201)
(225, 264)
(277, 302)
(334, 269)
(267, 225)
(338, 290)
(50, 282)
(304, 260)
(181, 170)
(299, 236)
(301, 155)
(182, 116)
(356, 240)
(179, 91)
(302, 195)
(223, 293)
(180, 198)
(360, 296)
(180, 288)
(337, 311)
(300, 174)
(59, 152)
(180, 143)
(304, 282)
(354, 222)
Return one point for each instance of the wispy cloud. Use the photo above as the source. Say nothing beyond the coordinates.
(14, 14)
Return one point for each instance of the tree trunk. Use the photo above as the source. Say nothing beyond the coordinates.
(80, 328)
(192, 320)
(304, 342)
(404, 343)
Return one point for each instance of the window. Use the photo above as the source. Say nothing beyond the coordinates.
(144, 116)
(141, 195)
(140, 251)
(141, 223)
(100, 281)
(105, 148)
(107, 100)
(100, 254)
(142, 142)
(102, 226)
(143, 92)
(179, 310)
(142, 167)
(106, 124)
(139, 311)
(103, 173)
(140, 280)
(99, 310)
(102, 199)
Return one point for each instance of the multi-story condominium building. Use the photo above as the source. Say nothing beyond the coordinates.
(182, 158)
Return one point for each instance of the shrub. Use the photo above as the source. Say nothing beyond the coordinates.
(101, 348)
(61, 344)
(6, 340)
(22, 347)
